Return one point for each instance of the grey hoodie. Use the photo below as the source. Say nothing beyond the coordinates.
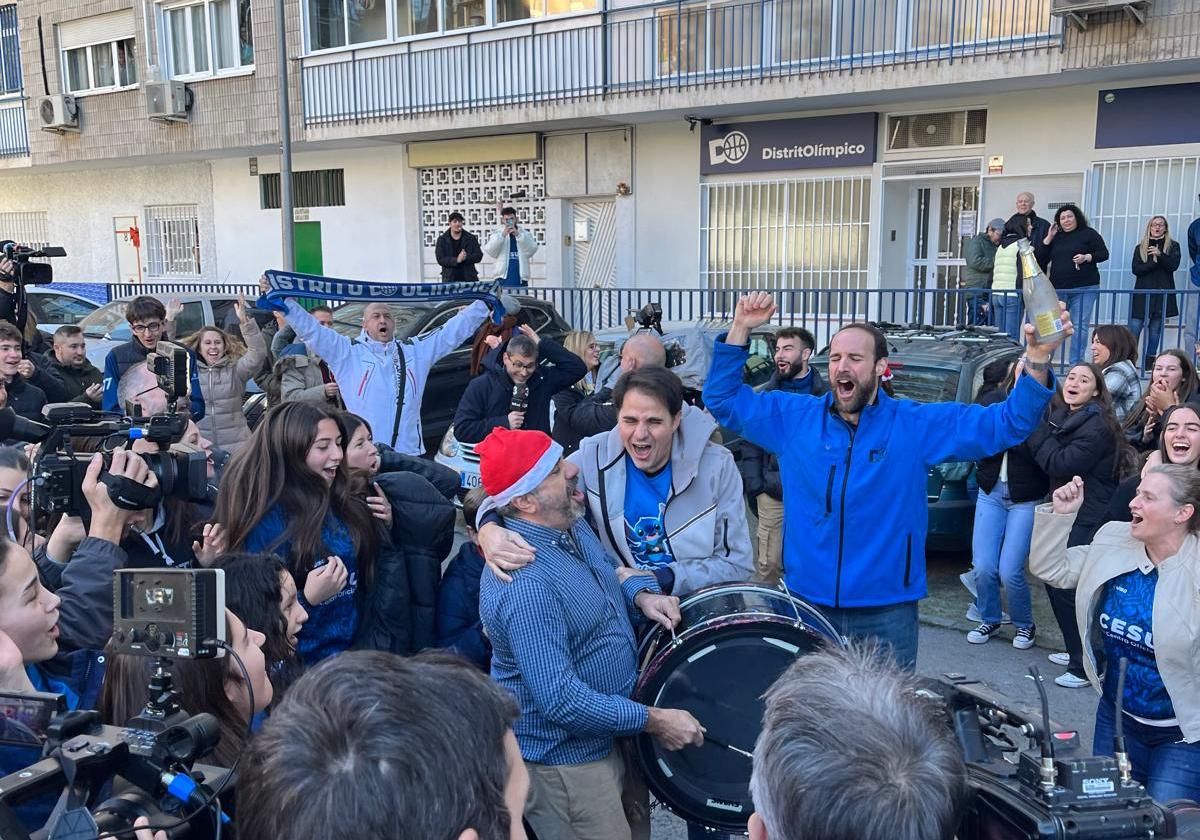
(705, 518)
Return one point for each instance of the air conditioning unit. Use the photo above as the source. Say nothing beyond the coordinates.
(938, 129)
(58, 113)
(1077, 12)
(168, 101)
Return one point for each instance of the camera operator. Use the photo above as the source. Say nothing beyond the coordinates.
(849, 749)
(364, 726)
(14, 307)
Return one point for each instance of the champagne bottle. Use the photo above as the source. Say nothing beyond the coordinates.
(1041, 300)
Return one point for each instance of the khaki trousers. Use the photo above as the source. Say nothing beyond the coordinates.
(768, 561)
(600, 800)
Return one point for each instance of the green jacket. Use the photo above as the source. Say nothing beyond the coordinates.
(980, 255)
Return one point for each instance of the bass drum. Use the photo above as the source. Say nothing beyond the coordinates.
(733, 642)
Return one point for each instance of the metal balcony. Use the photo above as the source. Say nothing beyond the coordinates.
(663, 46)
(14, 139)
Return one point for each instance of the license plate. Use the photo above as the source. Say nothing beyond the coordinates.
(471, 480)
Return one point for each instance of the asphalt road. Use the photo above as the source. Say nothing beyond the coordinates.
(996, 664)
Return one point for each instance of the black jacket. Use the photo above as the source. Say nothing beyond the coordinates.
(1041, 226)
(759, 468)
(1155, 274)
(1027, 482)
(578, 415)
(1057, 258)
(1079, 443)
(397, 613)
(444, 479)
(447, 256)
(485, 404)
(75, 380)
(459, 626)
(26, 399)
(1118, 505)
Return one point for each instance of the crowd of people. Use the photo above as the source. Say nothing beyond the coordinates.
(497, 684)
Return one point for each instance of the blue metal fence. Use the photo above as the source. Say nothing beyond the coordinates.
(821, 311)
(14, 139)
(661, 46)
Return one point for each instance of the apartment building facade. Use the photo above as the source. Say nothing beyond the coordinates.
(822, 144)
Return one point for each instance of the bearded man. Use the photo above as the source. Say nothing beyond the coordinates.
(855, 463)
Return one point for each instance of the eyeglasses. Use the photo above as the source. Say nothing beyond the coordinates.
(528, 368)
(154, 327)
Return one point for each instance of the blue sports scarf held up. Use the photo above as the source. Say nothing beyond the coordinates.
(285, 284)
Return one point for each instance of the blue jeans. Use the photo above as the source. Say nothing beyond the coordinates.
(999, 548)
(894, 625)
(1006, 314)
(1081, 303)
(1154, 331)
(976, 302)
(1169, 768)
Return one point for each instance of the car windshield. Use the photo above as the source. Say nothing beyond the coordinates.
(104, 320)
(347, 319)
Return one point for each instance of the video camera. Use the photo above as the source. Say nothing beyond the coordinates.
(30, 273)
(150, 762)
(649, 317)
(1030, 780)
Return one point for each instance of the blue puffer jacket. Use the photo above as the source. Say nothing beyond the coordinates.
(855, 500)
(459, 627)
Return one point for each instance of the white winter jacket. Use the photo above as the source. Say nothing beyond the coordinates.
(365, 370)
(497, 248)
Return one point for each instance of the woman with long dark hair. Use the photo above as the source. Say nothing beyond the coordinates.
(1172, 382)
(1155, 261)
(288, 493)
(1178, 444)
(1079, 437)
(1114, 350)
(216, 686)
(1070, 253)
(260, 590)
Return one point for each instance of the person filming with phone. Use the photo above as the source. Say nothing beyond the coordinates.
(511, 247)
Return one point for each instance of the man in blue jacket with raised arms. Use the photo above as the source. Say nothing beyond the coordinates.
(854, 464)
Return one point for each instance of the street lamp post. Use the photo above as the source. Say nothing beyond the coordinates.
(285, 144)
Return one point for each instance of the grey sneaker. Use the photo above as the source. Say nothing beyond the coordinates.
(1023, 640)
(982, 633)
(973, 614)
(967, 579)
(1060, 658)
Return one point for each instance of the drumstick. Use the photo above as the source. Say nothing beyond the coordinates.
(716, 743)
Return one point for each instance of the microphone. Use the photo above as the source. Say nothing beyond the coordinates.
(15, 427)
(519, 402)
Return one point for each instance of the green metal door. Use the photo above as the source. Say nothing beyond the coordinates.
(307, 238)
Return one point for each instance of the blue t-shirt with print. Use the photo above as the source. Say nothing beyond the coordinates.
(513, 277)
(1126, 626)
(331, 626)
(645, 501)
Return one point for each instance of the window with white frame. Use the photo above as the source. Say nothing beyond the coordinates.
(206, 38)
(10, 51)
(98, 53)
(330, 24)
(172, 237)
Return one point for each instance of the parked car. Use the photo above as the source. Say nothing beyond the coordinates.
(943, 364)
(106, 327)
(690, 343)
(54, 309)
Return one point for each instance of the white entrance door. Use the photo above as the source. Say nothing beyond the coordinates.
(945, 217)
(593, 258)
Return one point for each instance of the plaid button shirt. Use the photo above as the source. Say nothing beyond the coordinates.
(563, 644)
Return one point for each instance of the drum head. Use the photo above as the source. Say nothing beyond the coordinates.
(719, 676)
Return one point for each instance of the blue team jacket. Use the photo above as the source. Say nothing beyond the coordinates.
(855, 509)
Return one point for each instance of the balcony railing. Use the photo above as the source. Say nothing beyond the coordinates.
(14, 139)
(662, 47)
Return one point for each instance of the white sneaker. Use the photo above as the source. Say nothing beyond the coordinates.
(967, 579)
(1069, 680)
(973, 614)
(982, 633)
(1060, 658)
(1023, 640)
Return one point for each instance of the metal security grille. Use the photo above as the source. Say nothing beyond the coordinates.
(810, 234)
(473, 190)
(944, 128)
(1123, 196)
(311, 188)
(10, 51)
(25, 228)
(171, 237)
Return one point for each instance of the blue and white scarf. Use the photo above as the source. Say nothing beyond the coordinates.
(285, 284)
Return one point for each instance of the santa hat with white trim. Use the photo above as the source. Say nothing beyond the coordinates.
(513, 462)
